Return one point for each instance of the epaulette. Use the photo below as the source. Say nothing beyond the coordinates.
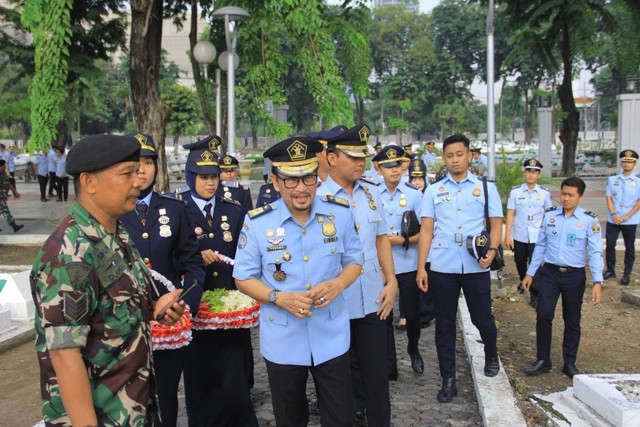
(591, 214)
(253, 213)
(182, 189)
(368, 181)
(333, 199)
(234, 184)
(410, 185)
(515, 187)
(171, 196)
(545, 189)
(228, 200)
(246, 187)
(551, 208)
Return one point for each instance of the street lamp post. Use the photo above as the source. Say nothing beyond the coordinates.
(231, 16)
(205, 53)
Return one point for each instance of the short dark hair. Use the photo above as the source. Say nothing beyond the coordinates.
(456, 138)
(576, 182)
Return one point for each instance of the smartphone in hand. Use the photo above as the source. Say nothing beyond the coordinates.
(178, 298)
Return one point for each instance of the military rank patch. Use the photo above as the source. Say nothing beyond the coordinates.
(78, 273)
(75, 306)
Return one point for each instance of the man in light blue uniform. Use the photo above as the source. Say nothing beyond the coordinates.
(10, 158)
(569, 234)
(453, 211)
(41, 169)
(623, 203)
(525, 209)
(429, 157)
(297, 256)
(370, 299)
(53, 182)
(397, 198)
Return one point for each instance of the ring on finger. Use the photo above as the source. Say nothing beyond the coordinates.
(323, 300)
(302, 311)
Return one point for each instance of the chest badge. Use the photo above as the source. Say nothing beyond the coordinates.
(476, 192)
(538, 197)
(403, 201)
(227, 237)
(279, 274)
(328, 229)
(165, 231)
(164, 220)
(224, 226)
(632, 184)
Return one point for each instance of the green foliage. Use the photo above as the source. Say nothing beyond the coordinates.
(184, 110)
(49, 21)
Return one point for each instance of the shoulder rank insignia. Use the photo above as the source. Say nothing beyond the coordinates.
(229, 200)
(591, 214)
(552, 208)
(336, 200)
(545, 188)
(171, 196)
(516, 186)
(254, 213)
(410, 185)
(234, 184)
(368, 181)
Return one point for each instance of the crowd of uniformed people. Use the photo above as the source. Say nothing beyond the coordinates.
(325, 251)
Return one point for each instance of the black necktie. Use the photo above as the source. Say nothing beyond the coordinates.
(208, 217)
(141, 208)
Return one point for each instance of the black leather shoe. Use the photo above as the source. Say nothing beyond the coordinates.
(538, 367)
(360, 419)
(570, 369)
(625, 280)
(491, 366)
(609, 275)
(448, 390)
(416, 362)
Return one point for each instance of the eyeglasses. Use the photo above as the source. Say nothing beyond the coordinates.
(307, 180)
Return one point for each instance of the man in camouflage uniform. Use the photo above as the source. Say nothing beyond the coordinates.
(92, 295)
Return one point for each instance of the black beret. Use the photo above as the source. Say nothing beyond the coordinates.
(628, 156)
(97, 152)
(147, 147)
(211, 143)
(228, 162)
(352, 142)
(390, 156)
(295, 156)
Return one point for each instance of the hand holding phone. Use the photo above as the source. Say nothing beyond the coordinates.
(177, 299)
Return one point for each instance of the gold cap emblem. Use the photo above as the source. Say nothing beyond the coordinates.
(628, 153)
(213, 144)
(206, 156)
(297, 151)
(481, 241)
(364, 133)
(226, 160)
(392, 154)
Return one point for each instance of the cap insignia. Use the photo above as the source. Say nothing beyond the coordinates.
(206, 156)
(364, 133)
(297, 151)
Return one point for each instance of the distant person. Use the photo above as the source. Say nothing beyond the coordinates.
(525, 209)
(10, 158)
(623, 203)
(568, 236)
(5, 186)
(92, 294)
(53, 181)
(230, 185)
(480, 162)
(62, 179)
(429, 157)
(41, 169)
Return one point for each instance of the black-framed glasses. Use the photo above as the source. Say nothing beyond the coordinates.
(292, 182)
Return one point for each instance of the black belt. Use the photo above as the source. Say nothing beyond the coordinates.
(563, 269)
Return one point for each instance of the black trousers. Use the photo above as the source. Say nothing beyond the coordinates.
(410, 294)
(53, 183)
(168, 365)
(42, 182)
(332, 381)
(629, 237)
(522, 253)
(571, 286)
(215, 380)
(369, 351)
(12, 180)
(63, 188)
(446, 292)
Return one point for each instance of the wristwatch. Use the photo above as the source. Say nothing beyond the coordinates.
(273, 296)
(494, 249)
(598, 283)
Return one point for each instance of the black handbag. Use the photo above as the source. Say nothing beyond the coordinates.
(498, 260)
(410, 227)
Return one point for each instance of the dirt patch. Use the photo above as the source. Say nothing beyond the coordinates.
(610, 341)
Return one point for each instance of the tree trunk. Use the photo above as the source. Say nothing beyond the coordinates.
(151, 110)
(570, 125)
(203, 87)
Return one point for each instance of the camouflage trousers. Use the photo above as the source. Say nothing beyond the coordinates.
(4, 210)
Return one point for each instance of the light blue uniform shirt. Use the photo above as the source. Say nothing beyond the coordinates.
(405, 197)
(42, 164)
(53, 160)
(625, 192)
(61, 165)
(370, 222)
(10, 158)
(429, 158)
(529, 207)
(308, 254)
(567, 242)
(458, 211)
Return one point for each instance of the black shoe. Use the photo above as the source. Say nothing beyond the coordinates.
(491, 366)
(360, 419)
(400, 326)
(538, 367)
(609, 275)
(16, 227)
(44, 200)
(426, 324)
(314, 409)
(533, 301)
(416, 362)
(448, 390)
(520, 289)
(625, 280)
(570, 369)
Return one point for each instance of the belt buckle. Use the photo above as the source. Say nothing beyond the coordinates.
(458, 238)
(563, 269)
(530, 218)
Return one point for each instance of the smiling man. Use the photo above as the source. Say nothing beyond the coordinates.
(92, 295)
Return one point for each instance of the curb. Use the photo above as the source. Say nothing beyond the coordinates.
(496, 401)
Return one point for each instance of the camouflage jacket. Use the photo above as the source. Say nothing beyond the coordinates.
(4, 185)
(91, 291)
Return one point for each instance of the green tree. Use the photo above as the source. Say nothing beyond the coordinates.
(184, 111)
